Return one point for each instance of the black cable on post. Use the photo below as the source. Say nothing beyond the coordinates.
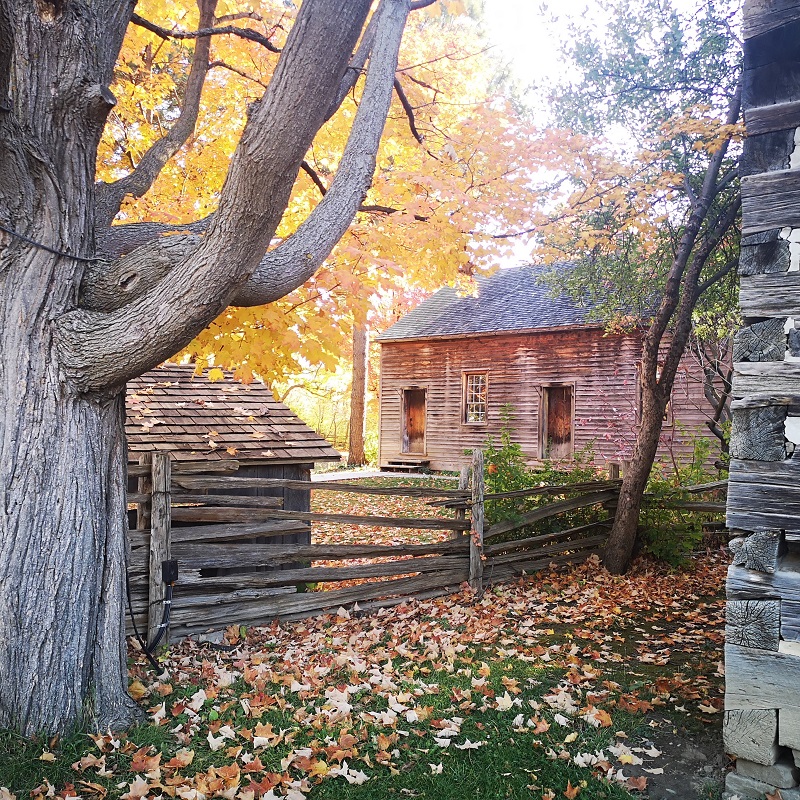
(139, 638)
(169, 574)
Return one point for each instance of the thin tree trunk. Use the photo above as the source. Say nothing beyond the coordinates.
(358, 396)
(621, 541)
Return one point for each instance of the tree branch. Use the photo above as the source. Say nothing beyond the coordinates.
(103, 350)
(672, 289)
(205, 30)
(294, 261)
(110, 196)
(315, 178)
(111, 286)
(240, 72)
(408, 108)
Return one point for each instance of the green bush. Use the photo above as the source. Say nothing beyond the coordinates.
(671, 534)
(506, 470)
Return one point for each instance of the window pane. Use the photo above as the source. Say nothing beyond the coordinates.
(475, 398)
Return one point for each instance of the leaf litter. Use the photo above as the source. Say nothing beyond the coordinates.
(573, 661)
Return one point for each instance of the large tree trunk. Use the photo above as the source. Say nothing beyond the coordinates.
(62, 454)
(63, 367)
(358, 396)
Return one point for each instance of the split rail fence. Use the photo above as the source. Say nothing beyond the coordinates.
(234, 568)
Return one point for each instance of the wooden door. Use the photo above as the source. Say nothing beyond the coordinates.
(414, 421)
(557, 417)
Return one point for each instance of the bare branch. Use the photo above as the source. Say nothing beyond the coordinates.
(315, 178)
(727, 179)
(687, 187)
(109, 196)
(408, 108)
(356, 66)
(205, 31)
(240, 72)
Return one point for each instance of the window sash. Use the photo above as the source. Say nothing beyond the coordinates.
(475, 397)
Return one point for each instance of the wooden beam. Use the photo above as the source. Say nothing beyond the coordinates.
(766, 377)
(771, 295)
(758, 434)
(228, 500)
(534, 541)
(208, 556)
(762, 341)
(790, 620)
(777, 117)
(789, 727)
(753, 623)
(160, 525)
(477, 523)
(192, 582)
(760, 679)
(207, 514)
(760, 551)
(749, 584)
(751, 734)
(552, 509)
(231, 482)
(764, 252)
(770, 200)
(762, 16)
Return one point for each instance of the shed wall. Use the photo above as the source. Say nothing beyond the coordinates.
(602, 370)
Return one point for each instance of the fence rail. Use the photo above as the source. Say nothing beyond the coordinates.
(236, 565)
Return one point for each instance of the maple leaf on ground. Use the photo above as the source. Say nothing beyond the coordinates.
(636, 784)
(571, 792)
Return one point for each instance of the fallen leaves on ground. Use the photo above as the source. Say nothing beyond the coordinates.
(569, 661)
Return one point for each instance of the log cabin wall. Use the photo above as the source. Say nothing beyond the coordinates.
(519, 368)
(762, 659)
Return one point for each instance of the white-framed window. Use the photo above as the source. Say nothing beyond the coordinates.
(475, 398)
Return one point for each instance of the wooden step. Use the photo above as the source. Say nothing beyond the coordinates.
(405, 465)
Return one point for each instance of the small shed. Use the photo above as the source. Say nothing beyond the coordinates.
(450, 366)
(197, 419)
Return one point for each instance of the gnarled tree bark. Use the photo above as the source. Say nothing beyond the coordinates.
(65, 356)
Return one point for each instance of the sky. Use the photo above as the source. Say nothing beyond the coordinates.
(518, 28)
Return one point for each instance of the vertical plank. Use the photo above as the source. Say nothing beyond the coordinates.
(160, 524)
(476, 532)
(145, 486)
(463, 483)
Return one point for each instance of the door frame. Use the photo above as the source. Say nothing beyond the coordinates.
(404, 420)
(543, 411)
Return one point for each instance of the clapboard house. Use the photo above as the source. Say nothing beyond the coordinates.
(450, 366)
(199, 420)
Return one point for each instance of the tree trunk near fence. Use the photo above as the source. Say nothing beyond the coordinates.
(66, 358)
(619, 547)
(358, 397)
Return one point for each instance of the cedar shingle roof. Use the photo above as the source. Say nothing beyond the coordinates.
(509, 300)
(170, 408)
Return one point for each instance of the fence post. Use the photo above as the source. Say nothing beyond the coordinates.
(144, 486)
(160, 525)
(476, 532)
(461, 514)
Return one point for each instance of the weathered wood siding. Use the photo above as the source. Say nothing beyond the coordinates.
(602, 370)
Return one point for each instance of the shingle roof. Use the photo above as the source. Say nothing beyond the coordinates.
(170, 408)
(509, 300)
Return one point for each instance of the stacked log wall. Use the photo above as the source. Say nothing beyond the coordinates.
(762, 698)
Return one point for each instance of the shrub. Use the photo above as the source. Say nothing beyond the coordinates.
(667, 533)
